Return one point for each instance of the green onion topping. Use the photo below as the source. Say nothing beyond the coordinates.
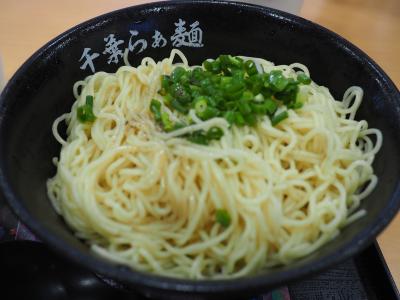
(223, 217)
(303, 78)
(279, 118)
(85, 112)
(228, 87)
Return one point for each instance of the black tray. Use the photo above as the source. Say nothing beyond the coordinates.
(366, 276)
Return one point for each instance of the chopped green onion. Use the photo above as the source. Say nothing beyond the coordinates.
(168, 99)
(230, 117)
(250, 119)
(198, 137)
(89, 100)
(207, 65)
(303, 78)
(166, 122)
(277, 80)
(227, 87)
(216, 67)
(235, 61)
(288, 95)
(279, 118)
(270, 106)
(165, 81)
(224, 59)
(239, 120)
(203, 110)
(177, 74)
(295, 105)
(178, 126)
(247, 96)
(205, 84)
(258, 109)
(233, 87)
(255, 83)
(215, 133)
(155, 108)
(84, 115)
(250, 67)
(209, 113)
(222, 217)
(225, 80)
(180, 93)
(85, 112)
(178, 106)
(200, 105)
(196, 76)
(244, 107)
(212, 66)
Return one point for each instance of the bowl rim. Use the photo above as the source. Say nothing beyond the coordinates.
(208, 286)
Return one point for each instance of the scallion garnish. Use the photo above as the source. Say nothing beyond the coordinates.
(228, 87)
(85, 112)
(279, 118)
(222, 217)
(155, 108)
(303, 78)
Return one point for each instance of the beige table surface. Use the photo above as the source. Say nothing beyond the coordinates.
(372, 25)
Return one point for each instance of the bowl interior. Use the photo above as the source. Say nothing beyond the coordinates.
(42, 90)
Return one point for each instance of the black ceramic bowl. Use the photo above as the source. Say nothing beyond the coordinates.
(41, 90)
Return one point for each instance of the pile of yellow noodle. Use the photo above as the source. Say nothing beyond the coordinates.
(147, 199)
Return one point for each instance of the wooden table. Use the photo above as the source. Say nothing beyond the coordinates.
(374, 26)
